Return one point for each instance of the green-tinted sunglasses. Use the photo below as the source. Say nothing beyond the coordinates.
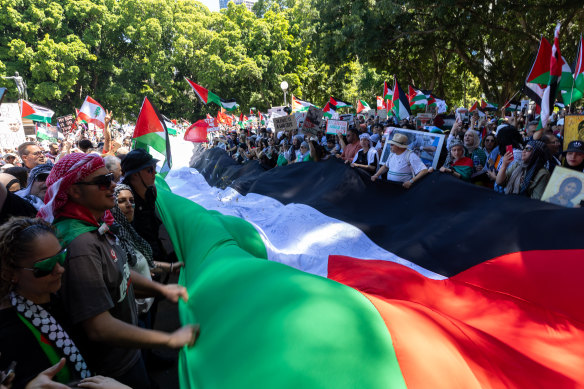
(44, 267)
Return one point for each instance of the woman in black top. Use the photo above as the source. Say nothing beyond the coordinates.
(31, 331)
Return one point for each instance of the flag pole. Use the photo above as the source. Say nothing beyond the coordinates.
(509, 101)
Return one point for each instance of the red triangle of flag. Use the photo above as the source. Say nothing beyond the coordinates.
(148, 121)
(26, 109)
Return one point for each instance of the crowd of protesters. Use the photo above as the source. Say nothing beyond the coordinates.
(509, 155)
(84, 262)
(79, 222)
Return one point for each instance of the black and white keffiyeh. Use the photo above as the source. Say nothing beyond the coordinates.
(46, 324)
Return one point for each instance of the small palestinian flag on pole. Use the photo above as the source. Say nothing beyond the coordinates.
(418, 100)
(36, 113)
(209, 97)
(362, 106)
(539, 75)
(339, 103)
(300, 105)
(387, 93)
(151, 132)
(571, 91)
(329, 111)
(401, 105)
(579, 71)
(92, 112)
(555, 72)
(474, 107)
(486, 106)
(261, 119)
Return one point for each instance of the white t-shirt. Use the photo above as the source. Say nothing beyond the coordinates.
(403, 167)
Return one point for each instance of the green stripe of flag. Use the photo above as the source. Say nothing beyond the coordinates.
(265, 324)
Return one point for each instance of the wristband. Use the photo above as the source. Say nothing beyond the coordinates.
(171, 265)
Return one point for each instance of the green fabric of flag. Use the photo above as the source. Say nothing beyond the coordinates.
(265, 324)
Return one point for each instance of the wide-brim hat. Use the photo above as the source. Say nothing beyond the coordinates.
(137, 160)
(399, 140)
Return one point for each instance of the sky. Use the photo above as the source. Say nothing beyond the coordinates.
(213, 5)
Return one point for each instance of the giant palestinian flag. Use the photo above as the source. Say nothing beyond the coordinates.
(36, 112)
(209, 97)
(151, 132)
(341, 282)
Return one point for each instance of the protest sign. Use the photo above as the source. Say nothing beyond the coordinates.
(573, 129)
(276, 112)
(426, 145)
(11, 129)
(423, 119)
(312, 121)
(285, 123)
(349, 117)
(565, 188)
(300, 116)
(65, 123)
(382, 113)
(336, 127)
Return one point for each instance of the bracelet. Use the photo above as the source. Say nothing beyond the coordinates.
(171, 264)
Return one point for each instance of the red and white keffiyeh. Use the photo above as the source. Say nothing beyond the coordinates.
(70, 169)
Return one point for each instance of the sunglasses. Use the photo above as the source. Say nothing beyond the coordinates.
(103, 182)
(44, 267)
(528, 149)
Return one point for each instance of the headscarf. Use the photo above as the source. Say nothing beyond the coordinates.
(36, 171)
(70, 169)
(368, 137)
(524, 173)
(476, 143)
(130, 240)
(454, 142)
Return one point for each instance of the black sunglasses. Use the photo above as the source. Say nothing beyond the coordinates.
(103, 182)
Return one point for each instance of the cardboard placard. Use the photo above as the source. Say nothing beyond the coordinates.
(423, 119)
(312, 121)
(382, 113)
(11, 126)
(65, 123)
(336, 127)
(300, 116)
(276, 112)
(573, 129)
(285, 123)
(564, 188)
(349, 117)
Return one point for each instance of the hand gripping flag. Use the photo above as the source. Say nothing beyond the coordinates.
(151, 132)
(92, 112)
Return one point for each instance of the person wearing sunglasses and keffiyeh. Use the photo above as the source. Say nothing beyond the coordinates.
(98, 286)
(529, 176)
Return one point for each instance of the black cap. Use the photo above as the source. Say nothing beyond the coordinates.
(137, 160)
(575, 146)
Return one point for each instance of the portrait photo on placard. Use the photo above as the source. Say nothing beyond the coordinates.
(565, 188)
(425, 144)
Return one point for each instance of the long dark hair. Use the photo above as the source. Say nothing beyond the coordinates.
(509, 135)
